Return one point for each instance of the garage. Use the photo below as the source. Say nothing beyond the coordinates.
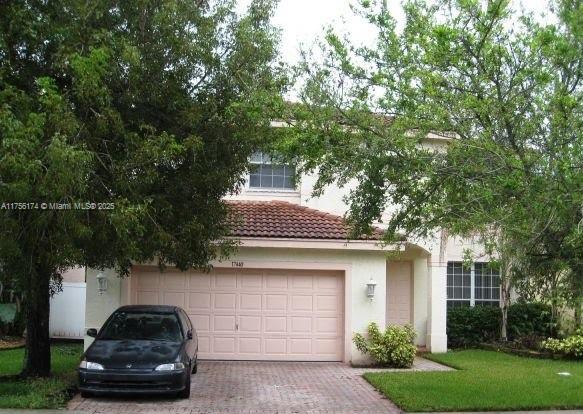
(254, 314)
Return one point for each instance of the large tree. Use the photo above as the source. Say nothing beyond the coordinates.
(149, 109)
(506, 92)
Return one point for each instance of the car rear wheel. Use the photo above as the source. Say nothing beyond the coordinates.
(195, 366)
(185, 393)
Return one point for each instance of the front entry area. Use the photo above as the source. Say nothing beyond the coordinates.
(253, 314)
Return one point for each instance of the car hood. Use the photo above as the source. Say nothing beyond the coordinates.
(140, 354)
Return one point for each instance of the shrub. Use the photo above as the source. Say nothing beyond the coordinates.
(528, 323)
(393, 348)
(530, 320)
(571, 346)
(470, 326)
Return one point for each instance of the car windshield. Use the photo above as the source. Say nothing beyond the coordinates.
(142, 326)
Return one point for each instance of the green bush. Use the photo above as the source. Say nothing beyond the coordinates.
(572, 346)
(470, 326)
(530, 320)
(392, 348)
(528, 323)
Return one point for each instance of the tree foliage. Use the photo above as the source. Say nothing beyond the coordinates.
(469, 119)
(149, 109)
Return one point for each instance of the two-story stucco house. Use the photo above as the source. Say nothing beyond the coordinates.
(297, 289)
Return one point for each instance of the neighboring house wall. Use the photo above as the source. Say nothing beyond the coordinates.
(75, 275)
(67, 312)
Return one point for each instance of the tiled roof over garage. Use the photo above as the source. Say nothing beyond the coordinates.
(279, 219)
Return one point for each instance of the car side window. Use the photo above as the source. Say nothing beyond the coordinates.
(184, 321)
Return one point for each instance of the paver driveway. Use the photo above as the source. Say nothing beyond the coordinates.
(261, 387)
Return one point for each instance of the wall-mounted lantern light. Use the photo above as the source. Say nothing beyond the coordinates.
(370, 286)
(101, 283)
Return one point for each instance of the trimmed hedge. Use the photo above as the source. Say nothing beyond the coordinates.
(469, 326)
(530, 319)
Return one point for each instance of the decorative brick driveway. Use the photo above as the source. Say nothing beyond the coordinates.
(262, 387)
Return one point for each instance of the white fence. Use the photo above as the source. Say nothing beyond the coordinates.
(67, 318)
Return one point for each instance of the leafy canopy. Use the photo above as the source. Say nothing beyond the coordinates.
(469, 119)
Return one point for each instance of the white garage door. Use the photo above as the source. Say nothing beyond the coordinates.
(254, 314)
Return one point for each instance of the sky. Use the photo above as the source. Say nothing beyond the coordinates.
(302, 21)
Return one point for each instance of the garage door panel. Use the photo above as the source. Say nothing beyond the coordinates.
(326, 346)
(300, 346)
(302, 303)
(250, 302)
(225, 281)
(276, 281)
(300, 325)
(225, 301)
(200, 280)
(201, 322)
(174, 281)
(174, 299)
(275, 324)
(327, 282)
(224, 345)
(327, 303)
(302, 282)
(275, 346)
(250, 346)
(249, 324)
(255, 314)
(251, 281)
(275, 302)
(203, 344)
(327, 326)
(148, 280)
(199, 300)
(148, 298)
(224, 323)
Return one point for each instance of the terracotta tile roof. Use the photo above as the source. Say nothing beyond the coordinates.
(279, 219)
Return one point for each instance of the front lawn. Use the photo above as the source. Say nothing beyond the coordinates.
(40, 393)
(486, 381)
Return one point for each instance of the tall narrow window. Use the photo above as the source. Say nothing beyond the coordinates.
(487, 285)
(474, 285)
(269, 175)
(459, 285)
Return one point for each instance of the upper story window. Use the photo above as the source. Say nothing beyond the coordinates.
(269, 175)
(477, 284)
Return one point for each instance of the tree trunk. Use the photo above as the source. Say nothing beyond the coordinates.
(37, 359)
(505, 296)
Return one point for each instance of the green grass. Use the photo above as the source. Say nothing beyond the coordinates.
(39, 393)
(485, 381)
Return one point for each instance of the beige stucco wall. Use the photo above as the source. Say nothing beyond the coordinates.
(359, 267)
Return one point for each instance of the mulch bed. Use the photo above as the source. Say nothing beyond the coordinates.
(11, 342)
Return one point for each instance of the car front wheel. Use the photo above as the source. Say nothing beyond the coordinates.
(185, 393)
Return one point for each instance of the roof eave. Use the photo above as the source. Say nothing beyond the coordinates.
(327, 244)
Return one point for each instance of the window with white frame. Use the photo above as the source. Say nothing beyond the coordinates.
(269, 175)
(477, 284)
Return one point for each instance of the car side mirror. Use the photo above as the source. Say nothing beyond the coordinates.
(189, 335)
(92, 332)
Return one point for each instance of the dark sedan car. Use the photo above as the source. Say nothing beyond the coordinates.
(141, 349)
